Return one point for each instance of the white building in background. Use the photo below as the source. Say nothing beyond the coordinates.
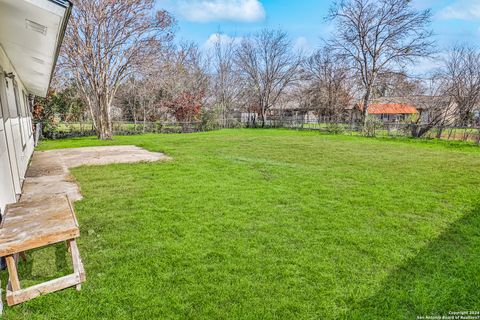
(31, 33)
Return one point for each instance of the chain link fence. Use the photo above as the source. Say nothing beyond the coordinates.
(83, 129)
(376, 128)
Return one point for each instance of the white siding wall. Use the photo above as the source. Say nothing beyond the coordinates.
(7, 191)
(17, 134)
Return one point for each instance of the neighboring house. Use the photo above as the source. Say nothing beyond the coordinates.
(291, 110)
(285, 113)
(389, 111)
(31, 32)
(397, 109)
(435, 107)
(288, 113)
(392, 112)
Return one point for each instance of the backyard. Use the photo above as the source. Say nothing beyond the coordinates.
(270, 224)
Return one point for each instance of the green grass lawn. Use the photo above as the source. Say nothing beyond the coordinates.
(271, 224)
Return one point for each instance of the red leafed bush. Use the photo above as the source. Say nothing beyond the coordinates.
(187, 106)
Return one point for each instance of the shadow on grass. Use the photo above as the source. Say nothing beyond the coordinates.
(42, 265)
(442, 277)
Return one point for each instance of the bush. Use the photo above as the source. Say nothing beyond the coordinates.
(372, 125)
(234, 124)
(335, 128)
(209, 120)
(159, 126)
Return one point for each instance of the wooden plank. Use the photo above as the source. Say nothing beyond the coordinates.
(13, 281)
(76, 259)
(16, 297)
(37, 222)
(38, 242)
(72, 211)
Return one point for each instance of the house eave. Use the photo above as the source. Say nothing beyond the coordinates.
(31, 35)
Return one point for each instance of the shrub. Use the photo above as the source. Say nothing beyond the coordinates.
(335, 128)
(209, 120)
(372, 125)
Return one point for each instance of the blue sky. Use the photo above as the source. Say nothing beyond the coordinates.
(453, 20)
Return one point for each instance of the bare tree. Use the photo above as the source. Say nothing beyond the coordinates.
(226, 89)
(267, 65)
(377, 36)
(327, 91)
(105, 43)
(127, 100)
(147, 97)
(462, 75)
(397, 84)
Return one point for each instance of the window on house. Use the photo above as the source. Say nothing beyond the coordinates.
(3, 103)
(26, 105)
(2, 124)
(20, 114)
(3, 145)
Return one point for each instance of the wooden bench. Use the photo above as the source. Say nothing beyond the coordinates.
(35, 223)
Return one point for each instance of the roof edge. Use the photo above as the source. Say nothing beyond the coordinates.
(63, 3)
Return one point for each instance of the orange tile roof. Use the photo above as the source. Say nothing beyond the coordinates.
(390, 108)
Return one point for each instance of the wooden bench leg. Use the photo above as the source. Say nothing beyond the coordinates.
(78, 268)
(20, 296)
(13, 281)
(16, 295)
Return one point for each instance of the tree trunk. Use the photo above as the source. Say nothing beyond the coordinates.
(104, 123)
(439, 132)
(465, 134)
(263, 117)
(366, 104)
(134, 122)
(224, 114)
(418, 131)
(144, 116)
(134, 113)
(263, 120)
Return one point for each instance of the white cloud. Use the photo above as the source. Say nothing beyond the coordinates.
(302, 44)
(461, 10)
(219, 10)
(424, 66)
(423, 4)
(220, 38)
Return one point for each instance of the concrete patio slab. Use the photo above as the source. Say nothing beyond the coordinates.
(49, 170)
